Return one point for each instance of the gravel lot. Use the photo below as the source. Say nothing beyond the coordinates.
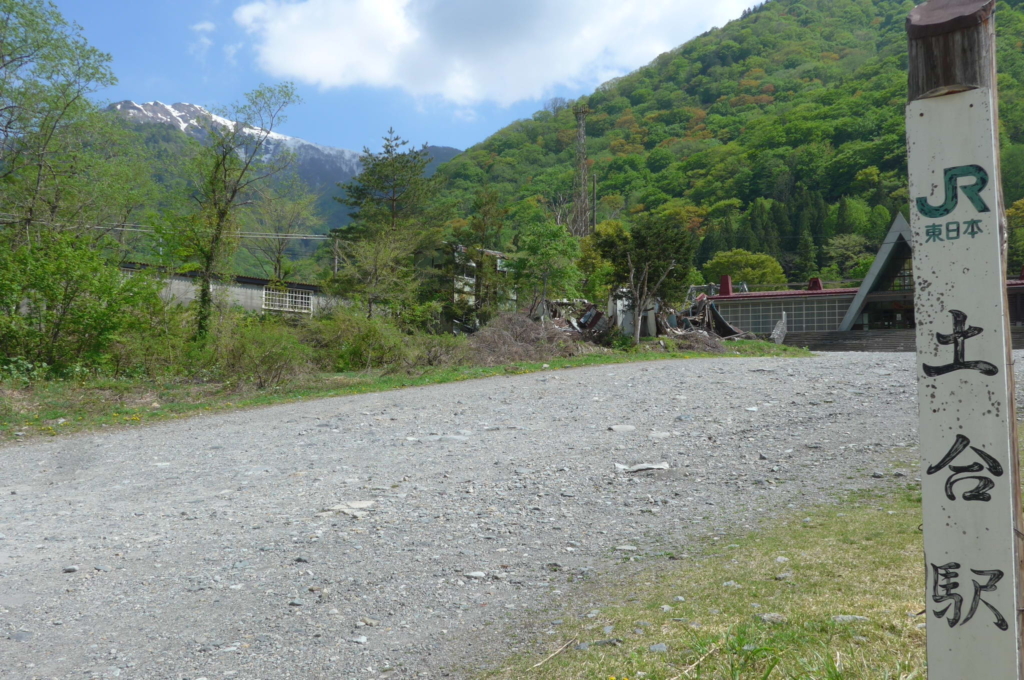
(244, 546)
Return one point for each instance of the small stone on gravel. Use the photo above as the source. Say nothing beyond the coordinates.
(849, 618)
(661, 647)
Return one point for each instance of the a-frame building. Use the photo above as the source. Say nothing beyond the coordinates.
(885, 298)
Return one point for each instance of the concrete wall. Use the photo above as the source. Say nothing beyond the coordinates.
(182, 290)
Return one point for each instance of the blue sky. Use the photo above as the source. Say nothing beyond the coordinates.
(447, 72)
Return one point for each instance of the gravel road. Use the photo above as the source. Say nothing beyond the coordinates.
(344, 537)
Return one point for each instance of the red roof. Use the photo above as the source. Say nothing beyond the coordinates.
(789, 293)
(761, 295)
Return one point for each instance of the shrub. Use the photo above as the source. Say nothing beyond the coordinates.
(63, 304)
(264, 353)
(441, 350)
(348, 341)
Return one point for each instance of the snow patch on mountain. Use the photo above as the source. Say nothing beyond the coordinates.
(320, 167)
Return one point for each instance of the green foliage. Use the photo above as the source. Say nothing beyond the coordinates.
(544, 266)
(263, 352)
(348, 341)
(477, 241)
(64, 305)
(395, 228)
(846, 252)
(222, 176)
(795, 112)
(287, 207)
(755, 269)
(1015, 229)
(807, 256)
(652, 259)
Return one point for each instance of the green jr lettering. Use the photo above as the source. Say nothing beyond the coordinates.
(971, 191)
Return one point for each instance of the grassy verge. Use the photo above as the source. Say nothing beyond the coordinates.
(765, 606)
(54, 407)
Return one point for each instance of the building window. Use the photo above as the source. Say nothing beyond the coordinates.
(287, 300)
(904, 279)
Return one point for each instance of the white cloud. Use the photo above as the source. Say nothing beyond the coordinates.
(231, 53)
(202, 43)
(470, 51)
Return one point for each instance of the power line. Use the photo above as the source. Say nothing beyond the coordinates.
(150, 229)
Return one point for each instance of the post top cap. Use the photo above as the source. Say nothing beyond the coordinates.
(937, 17)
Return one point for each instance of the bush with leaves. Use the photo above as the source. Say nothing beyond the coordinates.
(755, 269)
(263, 352)
(63, 304)
(346, 340)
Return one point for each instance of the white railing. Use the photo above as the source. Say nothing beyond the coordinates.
(287, 300)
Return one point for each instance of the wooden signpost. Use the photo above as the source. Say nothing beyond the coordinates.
(968, 442)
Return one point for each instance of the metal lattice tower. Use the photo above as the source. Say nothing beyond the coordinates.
(580, 224)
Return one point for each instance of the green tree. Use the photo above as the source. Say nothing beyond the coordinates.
(222, 177)
(853, 217)
(69, 177)
(759, 218)
(597, 273)
(544, 265)
(651, 260)
(394, 224)
(806, 264)
(287, 207)
(846, 251)
(1015, 246)
(754, 269)
(62, 303)
(482, 238)
(879, 222)
(47, 71)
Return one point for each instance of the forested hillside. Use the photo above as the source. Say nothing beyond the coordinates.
(776, 134)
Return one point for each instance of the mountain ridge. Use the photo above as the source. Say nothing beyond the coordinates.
(319, 166)
(775, 133)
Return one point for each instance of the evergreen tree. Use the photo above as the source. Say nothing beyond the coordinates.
(817, 221)
(780, 229)
(393, 227)
(759, 221)
(728, 231)
(718, 238)
(806, 264)
(746, 239)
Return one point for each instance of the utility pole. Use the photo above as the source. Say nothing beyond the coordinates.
(580, 224)
(970, 480)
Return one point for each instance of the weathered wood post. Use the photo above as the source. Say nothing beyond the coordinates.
(969, 478)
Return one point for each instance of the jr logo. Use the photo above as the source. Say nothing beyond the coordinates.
(971, 191)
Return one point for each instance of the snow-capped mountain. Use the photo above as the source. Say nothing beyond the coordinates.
(319, 166)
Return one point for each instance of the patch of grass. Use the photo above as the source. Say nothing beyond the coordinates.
(763, 606)
(49, 408)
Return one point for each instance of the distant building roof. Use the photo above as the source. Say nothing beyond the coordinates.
(762, 295)
(244, 280)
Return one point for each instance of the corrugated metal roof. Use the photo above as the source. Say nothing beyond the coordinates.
(787, 294)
